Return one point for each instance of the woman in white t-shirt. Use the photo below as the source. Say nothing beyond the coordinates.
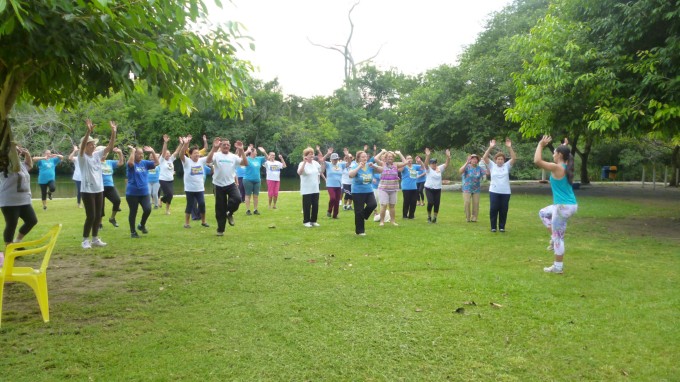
(499, 189)
(310, 172)
(73, 158)
(273, 168)
(92, 183)
(166, 176)
(194, 181)
(433, 183)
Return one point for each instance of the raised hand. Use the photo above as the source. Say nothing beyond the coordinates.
(365, 148)
(508, 142)
(448, 153)
(148, 149)
(116, 150)
(216, 143)
(90, 126)
(492, 143)
(114, 126)
(329, 151)
(166, 138)
(238, 145)
(566, 141)
(545, 140)
(427, 151)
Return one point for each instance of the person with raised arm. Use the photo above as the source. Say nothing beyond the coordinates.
(92, 183)
(194, 181)
(110, 192)
(564, 206)
(137, 191)
(227, 195)
(273, 168)
(334, 173)
(409, 187)
(15, 199)
(310, 172)
(471, 176)
(433, 183)
(252, 177)
(46, 174)
(389, 184)
(166, 173)
(499, 189)
(346, 180)
(73, 158)
(361, 173)
(420, 181)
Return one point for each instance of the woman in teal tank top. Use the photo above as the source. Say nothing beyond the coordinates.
(555, 216)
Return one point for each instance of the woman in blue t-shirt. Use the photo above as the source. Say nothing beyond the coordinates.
(361, 174)
(251, 178)
(110, 192)
(409, 186)
(137, 191)
(46, 175)
(555, 216)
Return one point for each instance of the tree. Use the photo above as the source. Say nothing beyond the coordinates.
(60, 52)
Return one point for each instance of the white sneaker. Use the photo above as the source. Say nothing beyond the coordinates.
(553, 269)
(98, 243)
(86, 244)
(308, 225)
(315, 224)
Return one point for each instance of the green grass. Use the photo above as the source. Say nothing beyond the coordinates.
(272, 300)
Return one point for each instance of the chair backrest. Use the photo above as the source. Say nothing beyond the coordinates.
(43, 245)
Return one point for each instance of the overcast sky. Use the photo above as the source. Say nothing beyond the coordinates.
(415, 35)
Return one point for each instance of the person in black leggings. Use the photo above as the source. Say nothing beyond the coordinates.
(15, 200)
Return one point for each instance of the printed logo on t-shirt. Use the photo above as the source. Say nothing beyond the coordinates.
(274, 167)
(412, 173)
(366, 178)
(336, 168)
(140, 169)
(152, 171)
(197, 170)
(107, 170)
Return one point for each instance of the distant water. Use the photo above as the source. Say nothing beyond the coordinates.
(66, 188)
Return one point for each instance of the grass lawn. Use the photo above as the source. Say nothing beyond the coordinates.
(272, 300)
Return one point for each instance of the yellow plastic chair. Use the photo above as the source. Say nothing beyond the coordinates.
(35, 278)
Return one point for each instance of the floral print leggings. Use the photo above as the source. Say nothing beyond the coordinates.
(555, 217)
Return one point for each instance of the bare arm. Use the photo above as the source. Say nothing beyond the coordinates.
(485, 158)
(462, 168)
(154, 156)
(538, 157)
(164, 149)
(112, 139)
(131, 158)
(90, 128)
(513, 156)
(215, 147)
(121, 158)
(283, 161)
(448, 158)
(73, 153)
(28, 160)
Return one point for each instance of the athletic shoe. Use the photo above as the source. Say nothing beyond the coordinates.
(142, 228)
(134, 235)
(315, 224)
(44, 207)
(502, 230)
(434, 220)
(328, 214)
(230, 219)
(256, 212)
(308, 225)
(49, 195)
(86, 244)
(98, 243)
(248, 213)
(350, 208)
(493, 230)
(553, 269)
(113, 222)
(429, 219)
(101, 226)
(205, 225)
(187, 226)
(220, 233)
(155, 207)
(361, 234)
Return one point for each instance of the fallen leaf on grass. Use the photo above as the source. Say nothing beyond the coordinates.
(272, 226)
(625, 373)
(418, 310)
(161, 288)
(494, 305)
(460, 310)
(470, 303)
(311, 261)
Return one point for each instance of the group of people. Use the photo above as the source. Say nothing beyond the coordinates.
(366, 182)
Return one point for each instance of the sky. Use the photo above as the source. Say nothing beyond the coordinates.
(411, 36)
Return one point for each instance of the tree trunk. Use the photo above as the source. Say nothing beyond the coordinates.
(584, 160)
(675, 162)
(12, 82)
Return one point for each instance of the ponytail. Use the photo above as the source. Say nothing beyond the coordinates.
(569, 160)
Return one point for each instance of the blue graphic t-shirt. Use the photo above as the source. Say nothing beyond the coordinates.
(138, 178)
(409, 176)
(108, 167)
(361, 183)
(152, 177)
(253, 169)
(334, 174)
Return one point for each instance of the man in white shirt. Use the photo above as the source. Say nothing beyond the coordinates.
(227, 195)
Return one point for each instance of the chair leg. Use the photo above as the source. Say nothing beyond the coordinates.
(2, 288)
(41, 294)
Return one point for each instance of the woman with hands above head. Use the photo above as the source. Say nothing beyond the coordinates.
(334, 173)
(499, 189)
(92, 183)
(361, 174)
(251, 179)
(555, 216)
(433, 184)
(389, 183)
(73, 158)
(137, 191)
(273, 169)
(346, 180)
(310, 172)
(472, 175)
(409, 186)
(194, 181)
(166, 172)
(46, 174)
